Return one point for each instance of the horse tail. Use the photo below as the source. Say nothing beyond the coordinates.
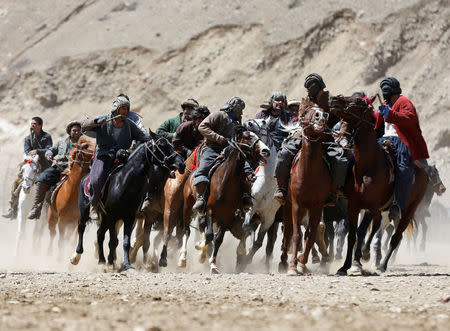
(410, 228)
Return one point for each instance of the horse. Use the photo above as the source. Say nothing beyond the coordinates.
(124, 193)
(30, 170)
(310, 184)
(435, 185)
(370, 186)
(264, 206)
(225, 191)
(63, 209)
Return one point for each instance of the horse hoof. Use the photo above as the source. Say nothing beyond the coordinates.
(282, 267)
(292, 272)
(315, 260)
(356, 270)
(126, 267)
(182, 263)
(381, 269)
(215, 271)
(303, 270)
(365, 256)
(162, 263)
(75, 259)
(341, 272)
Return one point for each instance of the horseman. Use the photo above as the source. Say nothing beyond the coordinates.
(406, 138)
(336, 155)
(114, 132)
(168, 128)
(187, 136)
(294, 107)
(277, 113)
(50, 176)
(217, 129)
(34, 144)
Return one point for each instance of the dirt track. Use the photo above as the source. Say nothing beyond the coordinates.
(409, 296)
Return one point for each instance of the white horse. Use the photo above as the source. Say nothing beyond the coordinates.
(30, 170)
(264, 205)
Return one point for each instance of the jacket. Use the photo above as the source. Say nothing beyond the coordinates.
(107, 142)
(406, 122)
(168, 128)
(215, 128)
(186, 138)
(41, 143)
(60, 151)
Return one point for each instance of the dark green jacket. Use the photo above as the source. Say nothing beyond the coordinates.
(168, 128)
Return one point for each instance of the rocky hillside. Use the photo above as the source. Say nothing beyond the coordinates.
(71, 58)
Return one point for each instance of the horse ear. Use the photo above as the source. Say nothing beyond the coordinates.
(151, 133)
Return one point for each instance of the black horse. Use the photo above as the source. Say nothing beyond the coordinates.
(124, 194)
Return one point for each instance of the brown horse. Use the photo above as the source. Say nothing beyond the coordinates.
(370, 186)
(310, 184)
(64, 210)
(225, 189)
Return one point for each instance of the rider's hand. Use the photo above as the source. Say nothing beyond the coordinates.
(384, 110)
(101, 120)
(223, 141)
(48, 156)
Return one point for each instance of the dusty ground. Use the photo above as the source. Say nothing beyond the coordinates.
(407, 297)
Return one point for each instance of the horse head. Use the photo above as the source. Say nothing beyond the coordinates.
(435, 180)
(313, 120)
(250, 145)
(260, 127)
(353, 110)
(30, 170)
(163, 153)
(82, 153)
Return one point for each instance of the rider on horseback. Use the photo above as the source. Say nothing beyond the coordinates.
(409, 145)
(187, 136)
(51, 176)
(217, 129)
(113, 132)
(168, 128)
(36, 143)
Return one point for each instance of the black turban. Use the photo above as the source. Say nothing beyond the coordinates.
(314, 79)
(390, 86)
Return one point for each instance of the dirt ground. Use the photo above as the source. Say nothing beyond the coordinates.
(407, 297)
(45, 292)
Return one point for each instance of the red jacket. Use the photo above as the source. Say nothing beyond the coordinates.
(404, 117)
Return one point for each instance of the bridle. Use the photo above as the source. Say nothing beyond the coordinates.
(163, 160)
(36, 169)
(361, 118)
(83, 153)
(239, 145)
(307, 123)
(262, 132)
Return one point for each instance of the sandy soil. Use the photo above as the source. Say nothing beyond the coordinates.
(407, 297)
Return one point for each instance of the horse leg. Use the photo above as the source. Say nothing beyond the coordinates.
(271, 239)
(297, 216)
(310, 237)
(100, 239)
(362, 230)
(81, 228)
(351, 238)
(320, 241)
(183, 250)
(329, 238)
(139, 238)
(62, 238)
(113, 242)
(376, 221)
(127, 229)
(287, 237)
(256, 245)
(52, 222)
(218, 239)
(241, 251)
(395, 241)
(389, 230)
(424, 235)
(341, 232)
(377, 245)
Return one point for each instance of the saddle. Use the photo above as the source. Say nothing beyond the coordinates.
(219, 160)
(57, 187)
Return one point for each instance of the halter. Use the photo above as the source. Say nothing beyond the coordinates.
(37, 166)
(237, 145)
(262, 132)
(155, 148)
(311, 123)
(83, 153)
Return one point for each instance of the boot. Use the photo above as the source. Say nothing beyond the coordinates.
(280, 193)
(247, 202)
(200, 204)
(11, 213)
(41, 190)
(93, 213)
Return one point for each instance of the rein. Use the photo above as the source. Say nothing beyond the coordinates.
(162, 162)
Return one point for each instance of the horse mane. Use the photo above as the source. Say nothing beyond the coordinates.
(238, 130)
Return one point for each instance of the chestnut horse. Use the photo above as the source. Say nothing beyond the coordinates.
(310, 184)
(370, 186)
(225, 189)
(64, 210)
